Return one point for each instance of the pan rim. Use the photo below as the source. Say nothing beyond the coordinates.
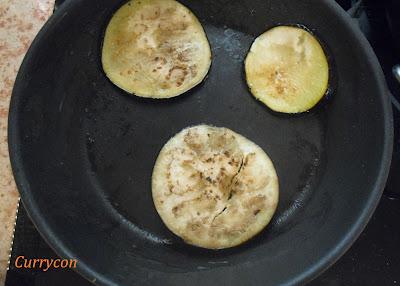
(326, 260)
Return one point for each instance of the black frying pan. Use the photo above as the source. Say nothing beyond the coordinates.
(83, 151)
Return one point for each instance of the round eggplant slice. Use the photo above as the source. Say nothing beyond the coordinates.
(213, 187)
(287, 69)
(155, 48)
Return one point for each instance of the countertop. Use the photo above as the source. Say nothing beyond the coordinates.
(19, 23)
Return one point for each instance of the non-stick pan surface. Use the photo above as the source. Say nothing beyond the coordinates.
(83, 151)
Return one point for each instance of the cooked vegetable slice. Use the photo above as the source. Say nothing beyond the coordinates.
(213, 187)
(155, 48)
(287, 69)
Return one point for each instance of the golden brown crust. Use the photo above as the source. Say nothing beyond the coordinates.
(213, 187)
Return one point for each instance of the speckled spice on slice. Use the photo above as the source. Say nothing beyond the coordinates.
(213, 187)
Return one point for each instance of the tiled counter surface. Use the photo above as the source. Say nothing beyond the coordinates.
(20, 20)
